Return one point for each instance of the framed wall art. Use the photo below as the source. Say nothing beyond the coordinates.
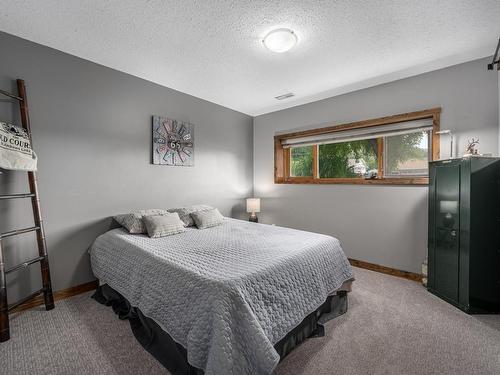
(173, 142)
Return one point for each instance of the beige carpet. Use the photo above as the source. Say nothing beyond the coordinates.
(393, 326)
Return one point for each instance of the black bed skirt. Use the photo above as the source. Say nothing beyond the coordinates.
(173, 356)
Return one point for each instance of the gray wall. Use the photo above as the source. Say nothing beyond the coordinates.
(92, 132)
(386, 225)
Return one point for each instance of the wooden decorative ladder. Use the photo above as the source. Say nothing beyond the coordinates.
(38, 228)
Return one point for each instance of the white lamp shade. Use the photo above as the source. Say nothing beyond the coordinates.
(253, 204)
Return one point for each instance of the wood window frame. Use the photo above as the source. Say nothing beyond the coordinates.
(282, 154)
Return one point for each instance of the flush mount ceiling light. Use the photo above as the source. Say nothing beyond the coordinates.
(280, 40)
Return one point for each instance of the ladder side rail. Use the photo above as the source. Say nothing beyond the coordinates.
(35, 201)
(4, 307)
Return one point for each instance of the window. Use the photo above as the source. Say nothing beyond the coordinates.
(348, 159)
(407, 155)
(389, 150)
(301, 161)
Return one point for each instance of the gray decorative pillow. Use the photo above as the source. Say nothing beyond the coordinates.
(163, 225)
(207, 219)
(185, 212)
(133, 221)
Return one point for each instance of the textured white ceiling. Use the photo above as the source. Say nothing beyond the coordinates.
(212, 49)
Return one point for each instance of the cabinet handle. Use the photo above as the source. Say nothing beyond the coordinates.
(453, 233)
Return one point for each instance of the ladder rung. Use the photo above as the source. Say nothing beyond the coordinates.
(24, 265)
(6, 93)
(21, 301)
(16, 196)
(18, 231)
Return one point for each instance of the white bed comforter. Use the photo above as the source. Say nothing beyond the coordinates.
(227, 293)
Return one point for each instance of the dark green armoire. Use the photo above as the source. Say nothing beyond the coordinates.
(464, 233)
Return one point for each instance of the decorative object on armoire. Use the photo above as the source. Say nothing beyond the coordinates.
(464, 219)
(496, 58)
(15, 149)
(173, 142)
(471, 149)
(450, 134)
(253, 206)
(42, 257)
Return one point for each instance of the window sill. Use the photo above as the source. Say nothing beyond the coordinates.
(355, 181)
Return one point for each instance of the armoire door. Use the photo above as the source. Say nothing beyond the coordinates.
(447, 230)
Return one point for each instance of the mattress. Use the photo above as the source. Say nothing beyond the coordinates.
(228, 293)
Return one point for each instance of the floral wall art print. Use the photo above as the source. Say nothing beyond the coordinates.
(173, 142)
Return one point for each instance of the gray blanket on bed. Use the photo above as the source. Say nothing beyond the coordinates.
(227, 293)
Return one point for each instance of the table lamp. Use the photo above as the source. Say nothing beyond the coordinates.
(253, 206)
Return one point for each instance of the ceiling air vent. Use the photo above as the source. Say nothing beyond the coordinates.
(285, 96)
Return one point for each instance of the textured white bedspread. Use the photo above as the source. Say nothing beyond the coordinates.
(227, 293)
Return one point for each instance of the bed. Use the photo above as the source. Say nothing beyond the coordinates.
(229, 295)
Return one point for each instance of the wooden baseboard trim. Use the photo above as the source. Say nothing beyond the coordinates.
(59, 295)
(92, 285)
(387, 270)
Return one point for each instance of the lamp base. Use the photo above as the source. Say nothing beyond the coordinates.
(253, 218)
